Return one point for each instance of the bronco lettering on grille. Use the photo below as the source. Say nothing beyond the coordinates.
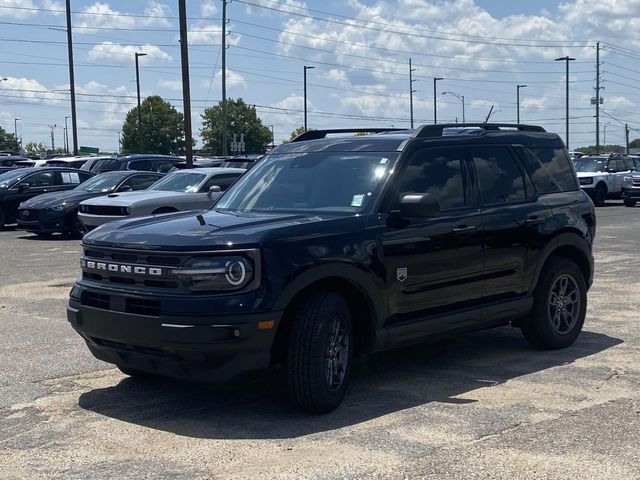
(120, 268)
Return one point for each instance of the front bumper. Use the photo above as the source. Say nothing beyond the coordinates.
(631, 192)
(93, 221)
(211, 348)
(46, 222)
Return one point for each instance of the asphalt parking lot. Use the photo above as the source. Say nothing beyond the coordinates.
(484, 405)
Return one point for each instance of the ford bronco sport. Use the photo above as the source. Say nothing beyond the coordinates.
(335, 246)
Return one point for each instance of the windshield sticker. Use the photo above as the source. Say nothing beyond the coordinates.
(384, 161)
(357, 200)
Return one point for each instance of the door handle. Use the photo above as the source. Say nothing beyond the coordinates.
(531, 221)
(464, 229)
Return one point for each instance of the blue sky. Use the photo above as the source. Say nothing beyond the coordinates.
(360, 50)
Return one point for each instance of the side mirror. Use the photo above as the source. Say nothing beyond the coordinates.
(125, 188)
(23, 187)
(419, 205)
(213, 189)
(612, 170)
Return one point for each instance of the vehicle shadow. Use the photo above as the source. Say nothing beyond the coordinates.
(257, 407)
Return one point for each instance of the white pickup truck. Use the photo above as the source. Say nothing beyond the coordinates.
(601, 177)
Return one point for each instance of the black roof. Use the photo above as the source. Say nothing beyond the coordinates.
(389, 140)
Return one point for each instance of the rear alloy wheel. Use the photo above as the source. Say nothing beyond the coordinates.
(320, 353)
(628, 202)
(599, 196)
(560, 306)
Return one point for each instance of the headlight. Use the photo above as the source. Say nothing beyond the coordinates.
(628, 180)
(586, 181)
(58, 208)
(222, 273)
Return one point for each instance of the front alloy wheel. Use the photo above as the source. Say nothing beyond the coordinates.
(337, 357)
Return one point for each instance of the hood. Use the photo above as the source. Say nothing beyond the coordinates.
(209, 229)
(49, 200)
(126, 199)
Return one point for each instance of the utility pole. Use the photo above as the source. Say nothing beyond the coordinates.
(598, 97)
(66, 135)
(411, 91)
(72, 82)
(273, 138)
(566, 59)
(518, 87)
(626, 136)
(225, 149)
(186, 90)
(15, 128)
(305, 95)
(140, 142)
(435, 106)
(53, 142)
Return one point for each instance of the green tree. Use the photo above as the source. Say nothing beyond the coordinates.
(298, 131)
(162, 128)
(241, 119)
(591, 149)
(8, 141)
(34, 149)
(635, 143)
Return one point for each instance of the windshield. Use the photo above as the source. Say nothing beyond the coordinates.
(590, 164)
(309, 182)
(101, 183)
(179, 182)
(6, 179)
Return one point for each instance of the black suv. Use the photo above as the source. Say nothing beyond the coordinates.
(142, 162)
(332, 247)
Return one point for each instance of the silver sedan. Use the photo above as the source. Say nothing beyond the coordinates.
(192, 189)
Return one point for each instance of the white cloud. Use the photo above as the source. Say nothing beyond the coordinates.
(273, 8)
(57, 8)
(210, 35)
(208, 8)
(170, 84)
(117, 53)
(122, 100)
(103, 16)
(234, 79)
(14, 8)
(31, 90)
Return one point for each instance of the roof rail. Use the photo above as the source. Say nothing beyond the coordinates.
(317, 134)
(436, 130)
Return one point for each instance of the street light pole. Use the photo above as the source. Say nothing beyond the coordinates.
(186, 89)
(273, 137)
(72, 81)
(518, 87)
(53, 142)
(15, 128)
(566, 59)
(305, 95)
(435, 106)
(140, 142)
(461, 98)
(66, 135)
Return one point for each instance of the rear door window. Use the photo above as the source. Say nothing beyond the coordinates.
(558, 164)
(143, 165)
(222, 181)
(43, 179)
(108, 165)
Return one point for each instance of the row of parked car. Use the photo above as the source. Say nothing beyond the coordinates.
(610, 176)
(54, 197)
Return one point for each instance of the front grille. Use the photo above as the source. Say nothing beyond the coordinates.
(636, 183)
(132, 348)
(107, 210)
(96, 300)
(138, 306)
(28, 215)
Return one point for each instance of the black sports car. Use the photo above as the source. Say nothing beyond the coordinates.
(17, 186)
(57, 212)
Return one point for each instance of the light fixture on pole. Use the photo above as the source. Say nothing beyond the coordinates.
(305, 95)
(435, 95)
(518, 87)
(140, 143)
(461, 98)
(566, 59)
(3, 79)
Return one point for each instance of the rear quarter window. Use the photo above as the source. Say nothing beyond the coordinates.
(558, 165)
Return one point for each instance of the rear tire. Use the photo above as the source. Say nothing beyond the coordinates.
(599, 196)
(77, 230)
(3, 218)
(629, 202)
(560, 306)
(43, 235)
(320, 353)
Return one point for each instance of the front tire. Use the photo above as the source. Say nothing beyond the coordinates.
(3, 218)
(629, 202)
(560, 306)
(320, 353)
